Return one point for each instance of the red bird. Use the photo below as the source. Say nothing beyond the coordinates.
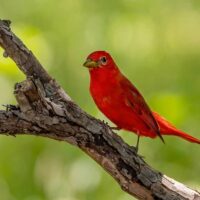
(122, 103)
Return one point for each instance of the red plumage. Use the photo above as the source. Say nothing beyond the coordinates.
(167, 128)
(122, 103)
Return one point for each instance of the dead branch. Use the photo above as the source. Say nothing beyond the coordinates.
(44, 109)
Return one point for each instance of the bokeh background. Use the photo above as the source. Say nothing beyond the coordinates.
(156, 44)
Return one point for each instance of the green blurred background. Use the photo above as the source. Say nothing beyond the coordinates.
(155, 43)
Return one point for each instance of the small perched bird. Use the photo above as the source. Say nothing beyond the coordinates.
(122, 103)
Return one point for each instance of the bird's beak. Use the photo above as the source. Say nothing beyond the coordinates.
(90, 63)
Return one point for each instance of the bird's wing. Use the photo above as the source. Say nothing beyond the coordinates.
(136, 101)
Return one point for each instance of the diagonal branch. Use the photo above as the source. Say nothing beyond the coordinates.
(44, 109)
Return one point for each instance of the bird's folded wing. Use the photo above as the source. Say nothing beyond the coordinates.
(135, 100)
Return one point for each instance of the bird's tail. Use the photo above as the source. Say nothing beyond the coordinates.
(167, 128)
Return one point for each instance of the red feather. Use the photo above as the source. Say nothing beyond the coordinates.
(166, 128)
(122, 103)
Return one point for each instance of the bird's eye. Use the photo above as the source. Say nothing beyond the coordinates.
(103, 60)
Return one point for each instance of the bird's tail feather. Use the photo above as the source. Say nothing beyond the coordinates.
(167, 128)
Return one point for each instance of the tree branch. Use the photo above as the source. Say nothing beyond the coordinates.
(44, 109)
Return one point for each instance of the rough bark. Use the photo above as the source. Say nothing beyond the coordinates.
(44, 109)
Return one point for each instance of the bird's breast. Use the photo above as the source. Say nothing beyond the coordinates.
(109, 99)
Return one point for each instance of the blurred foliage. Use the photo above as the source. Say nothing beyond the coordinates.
(156, 44)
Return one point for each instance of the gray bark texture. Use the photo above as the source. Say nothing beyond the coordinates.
(44, 109)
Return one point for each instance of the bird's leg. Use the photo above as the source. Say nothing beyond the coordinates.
(115, 128)
(137, 144)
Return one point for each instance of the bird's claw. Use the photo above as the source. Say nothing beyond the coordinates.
(115, 128)
(10, 107)
(106, 123)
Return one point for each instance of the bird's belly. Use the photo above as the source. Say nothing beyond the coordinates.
(122, 116)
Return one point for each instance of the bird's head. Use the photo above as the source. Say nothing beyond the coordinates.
(98, 60)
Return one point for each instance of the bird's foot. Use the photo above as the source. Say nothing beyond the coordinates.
(106, 123)
(137, 152)
(115, 128)
(10, 107)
